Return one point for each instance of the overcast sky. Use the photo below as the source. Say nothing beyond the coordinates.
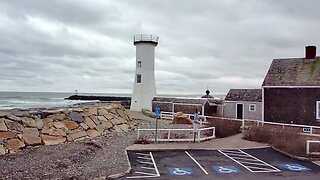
(63, 45)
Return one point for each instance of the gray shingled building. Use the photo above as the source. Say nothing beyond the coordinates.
(291, 90)
(243, 104)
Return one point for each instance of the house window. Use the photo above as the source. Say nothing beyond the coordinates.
(318, 110)
(139, 64)
(252, 107)
(138, 78)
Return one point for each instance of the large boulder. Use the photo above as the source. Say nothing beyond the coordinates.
(84, 126)
(14, 144)
(148, 113)
(54, 132)
(109, 116)
(39, 123)
(52, 140)
(3, 126)
(31, 136)
(121, 113)
(47, 120)
(93, 133)
(13, 118)
(12, 125)
(3, 150)
(95, 120)
(76, 116)
(70, 125)
(58, 117)
(102, 111)
(29, 122)
(102, 118)
(89, 122)
(124, 127)
(59, 125)
(115, 121)
(104, 126)
(90, 111)
(7, 135)
(76, 135)
(181, 118)
(117, 128)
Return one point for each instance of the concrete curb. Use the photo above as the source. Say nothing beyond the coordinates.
(192, 148)
(293, 156)
(119, 175)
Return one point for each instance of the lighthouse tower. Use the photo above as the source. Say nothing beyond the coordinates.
(144, 88)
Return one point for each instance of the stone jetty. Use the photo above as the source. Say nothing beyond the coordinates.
(21, 129)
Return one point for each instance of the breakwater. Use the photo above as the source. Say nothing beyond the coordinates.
(125, 101)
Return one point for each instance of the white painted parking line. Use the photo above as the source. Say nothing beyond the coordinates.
(142, 162)
(155, 165)
(197, 163)
(276, 169)
(142, 154)
(248, 161)
(148, 157)
(144, 173)
(147, 168)
(232, 151)
(237, 155)
(145, 158)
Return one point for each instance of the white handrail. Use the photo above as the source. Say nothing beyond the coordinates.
(198, 132)
(308, 147)
(310, 132)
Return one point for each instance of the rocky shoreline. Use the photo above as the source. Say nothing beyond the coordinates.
(49, 127)
(79, 156)
(125, 101)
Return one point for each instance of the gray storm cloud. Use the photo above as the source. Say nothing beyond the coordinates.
(62, 45)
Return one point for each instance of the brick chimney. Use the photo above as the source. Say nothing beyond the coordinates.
(311, 52)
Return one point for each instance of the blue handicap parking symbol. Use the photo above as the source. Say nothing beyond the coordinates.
(294, 167)
(226, 169)
(185, 171)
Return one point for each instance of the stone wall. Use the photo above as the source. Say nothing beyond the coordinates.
(49, 127)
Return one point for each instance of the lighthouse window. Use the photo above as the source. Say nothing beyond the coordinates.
(138, 78)
(139, 64)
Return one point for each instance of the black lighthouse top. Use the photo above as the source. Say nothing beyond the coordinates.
(145, 38)
(207, 94)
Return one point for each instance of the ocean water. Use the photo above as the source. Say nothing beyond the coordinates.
(25, 100)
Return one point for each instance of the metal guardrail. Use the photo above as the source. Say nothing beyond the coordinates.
(306, 129)
(169, 116)
(145, 37)
(308, 147)
(197, 134)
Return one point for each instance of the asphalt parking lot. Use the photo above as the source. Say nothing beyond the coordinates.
(264, 163)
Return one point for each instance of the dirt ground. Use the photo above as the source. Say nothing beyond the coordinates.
(85, 159)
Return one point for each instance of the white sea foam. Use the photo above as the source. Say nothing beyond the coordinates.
(11, 100)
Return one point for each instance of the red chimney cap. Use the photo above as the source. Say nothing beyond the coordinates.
(311, 52)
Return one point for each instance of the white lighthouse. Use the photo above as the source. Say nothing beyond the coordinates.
(144, 88)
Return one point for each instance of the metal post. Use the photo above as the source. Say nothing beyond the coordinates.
(243, 124)
(195, 125)
(158, 112)
(155, 139)
(308, 148)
